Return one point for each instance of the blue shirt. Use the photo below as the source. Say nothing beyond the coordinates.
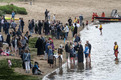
(13, 14)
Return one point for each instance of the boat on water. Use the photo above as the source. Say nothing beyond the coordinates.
(108, 19)
(113, 18)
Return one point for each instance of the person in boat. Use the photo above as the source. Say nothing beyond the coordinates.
(116, 50)
(103, 14)
(100, 28)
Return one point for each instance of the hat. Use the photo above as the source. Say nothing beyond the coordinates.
(61, 46)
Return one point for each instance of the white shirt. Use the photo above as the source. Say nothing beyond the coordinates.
(2, 21)
(53, 17)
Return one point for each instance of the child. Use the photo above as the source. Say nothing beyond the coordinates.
(7, 51)
(36, 70)
(86, 52)
(9, 63)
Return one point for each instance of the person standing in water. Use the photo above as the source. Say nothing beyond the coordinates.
(86, 52)
(116, 50)
(89, 46)
(87, 24)
(100, 29)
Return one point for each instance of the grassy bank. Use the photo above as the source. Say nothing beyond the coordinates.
(7, 73)
(10, 0)
(9, 8)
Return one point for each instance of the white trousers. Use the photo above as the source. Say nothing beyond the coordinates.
(27, 65)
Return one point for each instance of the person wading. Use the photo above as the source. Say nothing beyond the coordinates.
(116, 50)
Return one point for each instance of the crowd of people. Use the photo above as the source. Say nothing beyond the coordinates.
(18, 41)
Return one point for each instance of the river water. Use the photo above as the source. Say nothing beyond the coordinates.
(103, 66)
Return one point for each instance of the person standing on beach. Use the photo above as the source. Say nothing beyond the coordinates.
(66, 29)
(22, 25)
(75, 20)
(70, 21)
(50, 56)
(49, 15)
(19, 23)
(46, 27)
(13, 25)
(30, 27)
(75, 30)
(40, 47)
(54, 18)
(27, 59)
(13, 15)
(40, 26)
(7, 26)
(81, 19)
(46, 49)
(46, 14)
(100, 28)
(116, 50)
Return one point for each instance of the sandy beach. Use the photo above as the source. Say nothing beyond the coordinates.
(63, 10)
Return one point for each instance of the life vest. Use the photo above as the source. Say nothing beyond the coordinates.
(100, 27)
(75, 20)
(103, 14)
(116, 47)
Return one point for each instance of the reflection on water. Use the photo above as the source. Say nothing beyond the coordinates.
(51, 76)
(103, 66)
(80, 67)
(70, 69)
(61, 71)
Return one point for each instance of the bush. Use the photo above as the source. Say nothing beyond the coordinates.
(9, 8)
(32, 42)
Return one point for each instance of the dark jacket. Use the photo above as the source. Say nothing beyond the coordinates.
(77, 39)
(8, 38)
(89, 45)
(22, 23)
(67, 48)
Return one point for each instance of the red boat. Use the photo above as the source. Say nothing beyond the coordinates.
(114, 17)
(108, 19)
